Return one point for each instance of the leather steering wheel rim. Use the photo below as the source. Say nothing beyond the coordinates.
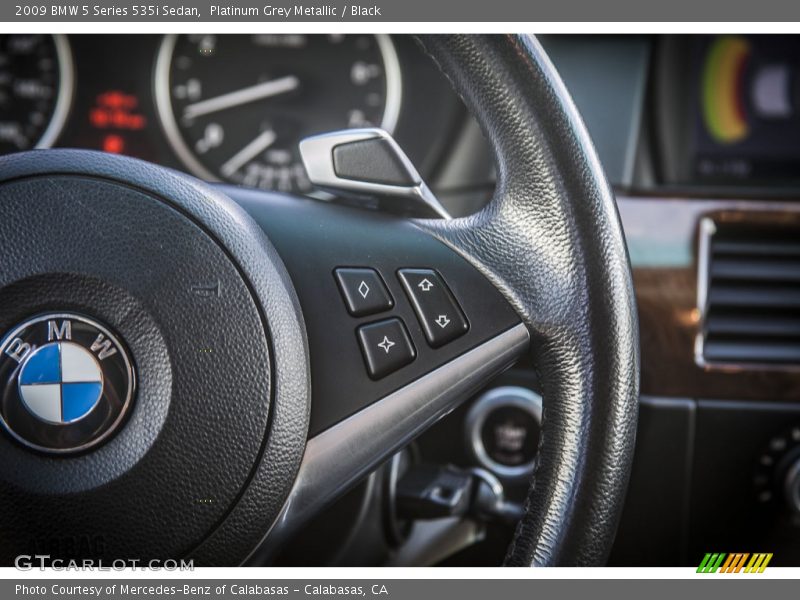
(552, 242)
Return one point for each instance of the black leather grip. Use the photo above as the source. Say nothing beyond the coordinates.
(552, 242)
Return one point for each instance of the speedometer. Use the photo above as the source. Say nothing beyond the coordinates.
(36, 84)
(235, 107)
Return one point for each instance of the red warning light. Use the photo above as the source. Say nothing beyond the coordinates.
(116, 110)
(114, 144)
(117, 99)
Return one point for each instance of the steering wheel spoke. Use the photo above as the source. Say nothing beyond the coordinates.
(339, 457)
(401, 329)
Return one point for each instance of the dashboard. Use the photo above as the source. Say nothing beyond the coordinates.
(228, 108)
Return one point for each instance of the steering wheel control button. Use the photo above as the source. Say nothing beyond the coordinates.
(503, 430)
(386, 347)
(66, 383)
(437, 310)
(363, 291)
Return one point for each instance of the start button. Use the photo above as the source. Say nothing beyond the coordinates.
(503, 430)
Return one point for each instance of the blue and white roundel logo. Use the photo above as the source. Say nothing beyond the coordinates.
(61, 382)
(66, 383)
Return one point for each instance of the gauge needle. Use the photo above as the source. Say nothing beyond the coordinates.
(261, 143)
(242, 96)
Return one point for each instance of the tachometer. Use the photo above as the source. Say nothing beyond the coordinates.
(234, 107)
(36, 84)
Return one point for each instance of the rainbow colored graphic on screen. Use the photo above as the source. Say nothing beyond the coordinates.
(723, 101)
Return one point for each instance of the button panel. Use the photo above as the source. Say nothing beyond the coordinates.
(363, 291)
(437, 310)
(386, 347)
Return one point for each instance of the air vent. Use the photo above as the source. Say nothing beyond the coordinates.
(750, 293)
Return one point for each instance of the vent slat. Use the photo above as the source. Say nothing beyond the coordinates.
(769, 248)
(744, 352)
(755, 270)
(753, 326)
(752, 314)
(754, 296)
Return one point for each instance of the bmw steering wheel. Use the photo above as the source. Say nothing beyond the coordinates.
(195, 372)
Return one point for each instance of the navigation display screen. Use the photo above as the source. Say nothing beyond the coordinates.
(745, 107)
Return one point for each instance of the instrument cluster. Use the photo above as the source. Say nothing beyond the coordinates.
(228, 108)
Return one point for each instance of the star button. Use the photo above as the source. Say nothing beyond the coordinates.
(386, 344)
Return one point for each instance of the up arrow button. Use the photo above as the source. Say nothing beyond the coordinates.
(425, 285)
(438, 312)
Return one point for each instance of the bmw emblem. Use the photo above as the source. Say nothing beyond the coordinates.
(66, 383)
